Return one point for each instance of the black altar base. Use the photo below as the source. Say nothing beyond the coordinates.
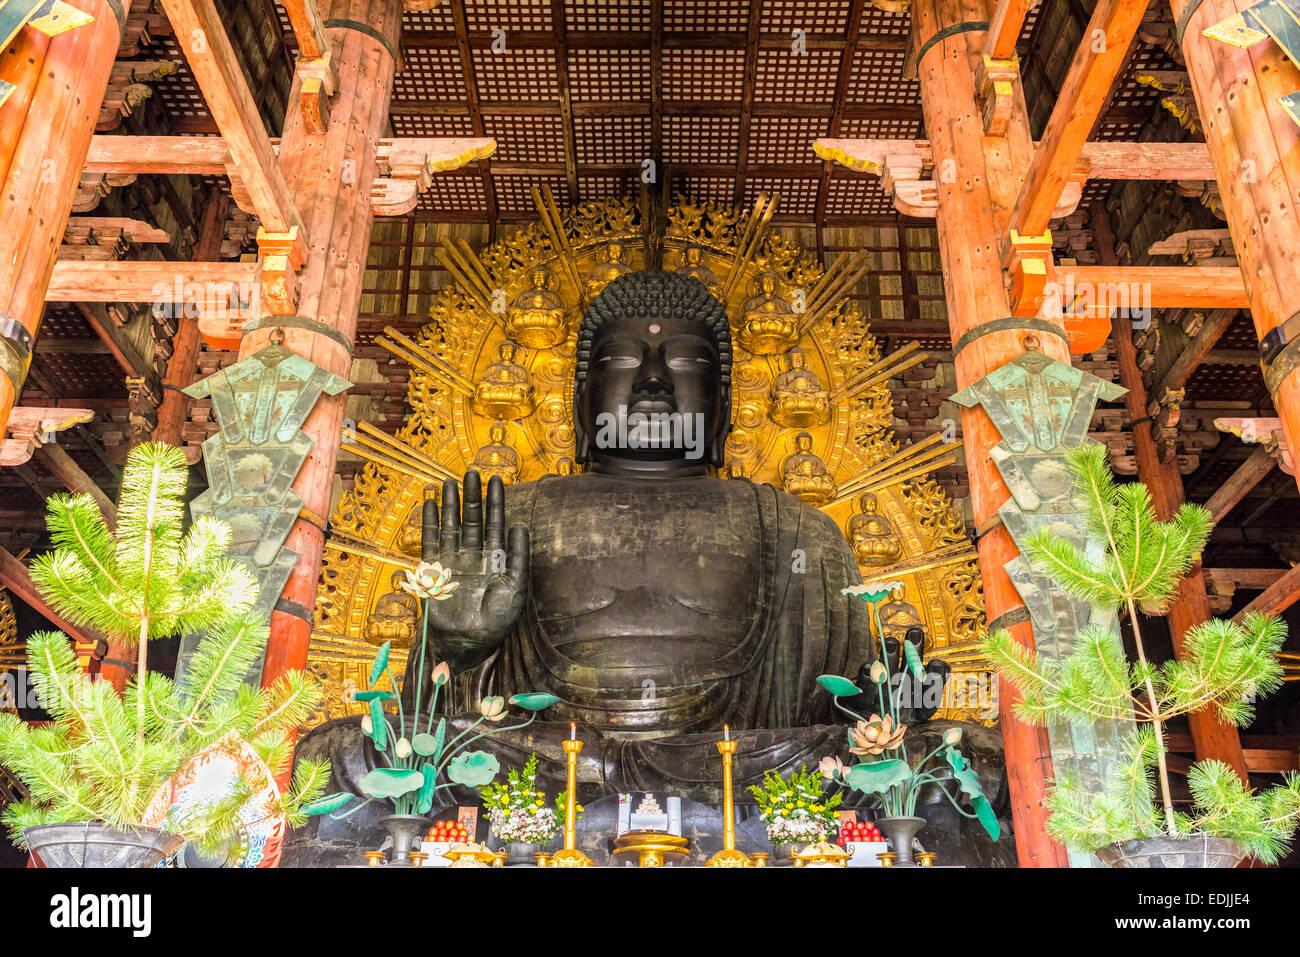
(957, 840)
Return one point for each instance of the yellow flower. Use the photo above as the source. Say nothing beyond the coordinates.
(493, 707)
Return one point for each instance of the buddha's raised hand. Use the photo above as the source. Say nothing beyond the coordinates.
(491, 575)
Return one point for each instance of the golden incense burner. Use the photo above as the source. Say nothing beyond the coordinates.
(651, 846)
(728, 856)
(569, 855)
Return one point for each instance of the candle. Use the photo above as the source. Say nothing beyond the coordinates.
(726, 732)
(573, 731)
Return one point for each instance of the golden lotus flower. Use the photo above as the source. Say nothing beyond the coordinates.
(441, 674)
(829, 766)
(493, 707)
(876, 735)
(429, 580)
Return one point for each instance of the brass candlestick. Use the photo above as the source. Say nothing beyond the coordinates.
(728, 856)
(570, 856)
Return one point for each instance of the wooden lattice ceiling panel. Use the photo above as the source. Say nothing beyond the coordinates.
(516, 75)
(514, 193)
(437, 20)
(716, 188)
(857, 196)
(882, 127)
(612, 139)
(625, 15)
(704, 73)
(526, 138)
(877, 78)
(453, 192)
(692, 16)
(488, 15)
(701, 139)
(784, 76)
(798, 196)
(785, 16)
(429, 73)
(597, 75)
(434, 124)
(785, 139)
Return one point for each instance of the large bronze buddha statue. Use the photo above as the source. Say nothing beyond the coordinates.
(657, 601)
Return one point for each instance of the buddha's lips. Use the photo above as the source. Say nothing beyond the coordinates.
(652, 406)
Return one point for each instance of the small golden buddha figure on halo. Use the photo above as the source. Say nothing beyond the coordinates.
(768, 325)
(505, 391)
(874, 540)
(693, 265)
(536, 320)
(563, 466)
(497, 457)
(610, 264)
(805, 474)
(798, 399)
(897, 615)
(394, 617)
(735, 470)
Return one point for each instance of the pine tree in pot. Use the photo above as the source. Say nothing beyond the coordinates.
(95, 770)
(1132, 822)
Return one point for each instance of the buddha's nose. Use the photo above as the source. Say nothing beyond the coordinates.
(653, 385)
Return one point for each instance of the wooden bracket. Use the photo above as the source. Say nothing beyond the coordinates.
(1164, 411)
(1030, 267)
(281, 256)
(318, 83)
(995, 92)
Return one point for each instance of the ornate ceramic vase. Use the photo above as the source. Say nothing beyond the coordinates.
(406, 830)
(900, 831)
(1196, 850)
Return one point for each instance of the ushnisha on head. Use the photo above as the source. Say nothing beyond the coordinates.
(655, 345)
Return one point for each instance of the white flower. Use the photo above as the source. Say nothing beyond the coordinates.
(403, 748)
(367, 726)
(429, 580)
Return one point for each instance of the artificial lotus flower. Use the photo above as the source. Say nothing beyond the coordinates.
(830, 766)
(876, 735)
(952, 736)
(429, 580)
(879, 673)
(493, 707)
(872, 591)
(441, 674)
(367, 726)
(403, 748)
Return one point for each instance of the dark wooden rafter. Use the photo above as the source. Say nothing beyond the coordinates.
(657, 91)
(1196, 351)
(15, 577)
(1247, 475)
(837, 118)
(752, 40)
(560, 35)
(472, 104)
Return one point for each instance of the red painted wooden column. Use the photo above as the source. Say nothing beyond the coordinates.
(1255, 149)
(47, 158)
(330, 175)
(974, 193)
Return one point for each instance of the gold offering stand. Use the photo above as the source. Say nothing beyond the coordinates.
(569, 855)
(651, 846)
(728, 856)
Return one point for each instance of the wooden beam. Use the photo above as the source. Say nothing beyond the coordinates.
(1258, 464)
(1005, 25)
(1196, 350)
(1093, 288)
(1101, 53)
(74, 478)
(1256, 579)
(748, 80)
(15, 577)
(471, 104)
(132, 281)
(1275, 599)
(165, 155)
(1097, 160)
(308, 29)
(560, 31)
(122, 349)
(202, 37)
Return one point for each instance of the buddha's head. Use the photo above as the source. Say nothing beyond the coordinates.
(614, 252)
(693, 255)
(803, 443)
(564, 466)
(497, 435)
(507, 351)
(396, 580)
(869, 503)
(541, 278)
(796, 358)
(652, 392)
(767, 285)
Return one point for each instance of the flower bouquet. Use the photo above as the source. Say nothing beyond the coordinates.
(521, 818)
(796, 809)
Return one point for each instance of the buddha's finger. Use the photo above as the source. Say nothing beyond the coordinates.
(517, 556)
(471, 526)
(496, 515)
(449, 538)
(429, 527)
